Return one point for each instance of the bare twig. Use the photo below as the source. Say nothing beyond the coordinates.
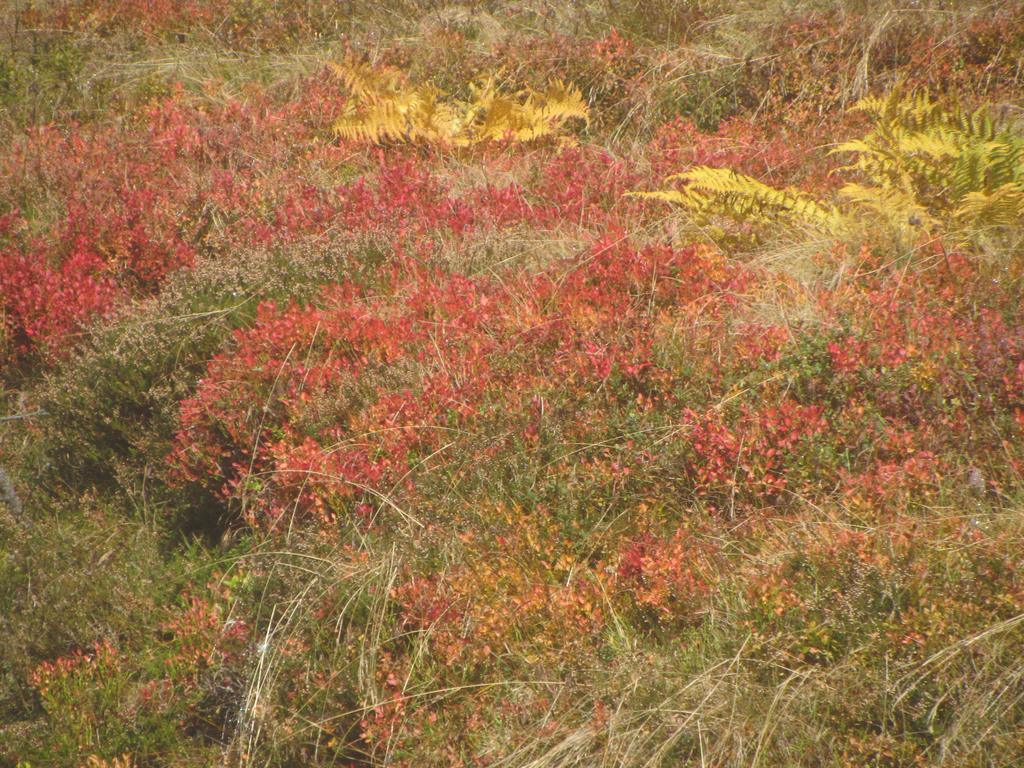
(23, 416)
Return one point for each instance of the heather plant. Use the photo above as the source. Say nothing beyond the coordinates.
(76, 688)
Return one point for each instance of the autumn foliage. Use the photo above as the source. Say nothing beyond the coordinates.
(364, 415)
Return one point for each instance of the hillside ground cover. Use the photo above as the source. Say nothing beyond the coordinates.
(511, 384)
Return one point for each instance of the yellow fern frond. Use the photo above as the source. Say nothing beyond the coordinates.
(939, 163)
(884, 203)
(383, 108)
(498, 120)
(364, 81)
(561, 102)
(1002, 207)
(936, 145)
(922, 165)
(710, 192)
(376, 123)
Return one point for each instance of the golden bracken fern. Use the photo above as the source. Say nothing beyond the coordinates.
(384, 107)
(922, 165)
(944, 165)
(709, 192)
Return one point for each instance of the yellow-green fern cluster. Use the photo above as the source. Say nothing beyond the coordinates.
(921, 165)
(711, 192)
(384, 107)
(938, 165)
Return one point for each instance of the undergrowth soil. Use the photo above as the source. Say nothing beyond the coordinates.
(326, 448)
